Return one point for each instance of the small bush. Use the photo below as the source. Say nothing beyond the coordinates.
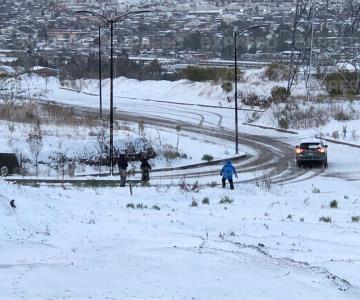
(289, 217)
(141, 206)
(279, 94)
(170, 152)
(227, 86)
(354, 135)
(212, 184)
(355, 219)
(341, 83)
(226, 200)
(335, 135)
(334, 204)
(130, 205)
(341, 115)
(325, 219)
(315, 190)
(156, 207)
(251, 99)
(207, 157)
(205, 201)
(194, 204)
(275, 72)
(194, 73)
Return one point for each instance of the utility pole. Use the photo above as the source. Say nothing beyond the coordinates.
(100, 74)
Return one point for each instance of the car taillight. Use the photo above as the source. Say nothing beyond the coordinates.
(299, 150)
(321, 150)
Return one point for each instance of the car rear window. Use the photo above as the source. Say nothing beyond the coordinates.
(310, 145)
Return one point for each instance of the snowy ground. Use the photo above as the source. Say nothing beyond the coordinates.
(86, 243)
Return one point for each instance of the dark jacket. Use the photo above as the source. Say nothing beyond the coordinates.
(122, 163)
(145, 165)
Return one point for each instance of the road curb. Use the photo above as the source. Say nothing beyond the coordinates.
(180, 168)
(271, 128)
(338, 142)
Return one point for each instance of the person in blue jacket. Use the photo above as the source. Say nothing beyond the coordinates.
(227, 173)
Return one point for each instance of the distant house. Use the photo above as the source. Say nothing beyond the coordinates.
(44, 71)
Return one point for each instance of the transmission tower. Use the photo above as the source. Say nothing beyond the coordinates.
(302, 42)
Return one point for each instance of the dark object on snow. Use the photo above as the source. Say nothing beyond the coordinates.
(9, 161)
(122, 164)
(145, 172)
(12, 204)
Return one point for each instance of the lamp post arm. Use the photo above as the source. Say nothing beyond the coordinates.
(250, 28)
(102, 18)
(123, 17)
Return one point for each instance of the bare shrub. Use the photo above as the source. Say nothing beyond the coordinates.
(291, 115)
(264, 182)
(102, 138)
(205, 201)
(325, 219)
(252, 117)
(35, 142)
(226, 200)
(279, 94)
(355, 219)
(354, 135)
(194, 203)
(252, 99)
(141, 128)
(59, 115)
(276, 72)
(315, 190)
(207, 157)
(187, 187)
(22, 112)
(341, 115)
(344, 132)
(170, 152)
(227, 86)
(335, 135)
(178, 130)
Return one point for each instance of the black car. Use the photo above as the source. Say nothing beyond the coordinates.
(312, 152)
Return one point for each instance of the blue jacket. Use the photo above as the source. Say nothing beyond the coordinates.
(228, 170)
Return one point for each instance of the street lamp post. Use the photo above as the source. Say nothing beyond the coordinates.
(111, 23)
(100, 73)
(236, 34)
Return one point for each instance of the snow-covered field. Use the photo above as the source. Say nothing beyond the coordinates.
(72, 243)
(265, 242)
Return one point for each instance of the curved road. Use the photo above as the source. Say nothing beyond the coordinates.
(273, 160)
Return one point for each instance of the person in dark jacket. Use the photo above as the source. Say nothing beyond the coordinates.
(145, 170)
(227, 173)
(122, 164)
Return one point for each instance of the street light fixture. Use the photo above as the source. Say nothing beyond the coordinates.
(111, 24)
(236, 34)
